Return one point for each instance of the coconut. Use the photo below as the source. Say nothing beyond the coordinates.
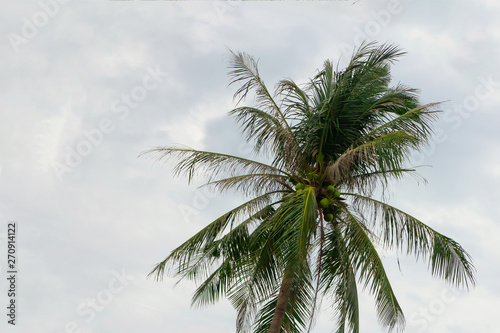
(329, 217)
(330, 188)
(299, 186)
(336, 194)
(324, 203)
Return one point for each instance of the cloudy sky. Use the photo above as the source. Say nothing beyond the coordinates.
(85, 87)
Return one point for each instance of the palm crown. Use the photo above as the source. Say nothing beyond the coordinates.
(311, 226)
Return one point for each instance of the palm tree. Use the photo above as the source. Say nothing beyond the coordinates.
(311, 226)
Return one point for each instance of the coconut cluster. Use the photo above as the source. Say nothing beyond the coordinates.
(327, 202)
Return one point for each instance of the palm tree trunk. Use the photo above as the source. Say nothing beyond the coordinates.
(283, 296)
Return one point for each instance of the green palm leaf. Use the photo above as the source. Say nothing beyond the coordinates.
(446, 258)
(368, 265)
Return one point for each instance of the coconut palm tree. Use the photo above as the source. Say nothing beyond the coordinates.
(311, 226)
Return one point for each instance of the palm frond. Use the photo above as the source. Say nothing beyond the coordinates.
(261, 279)
(298, 217)
(234, 250)
(383, 153)
(295, 100)
(216, 285)
(298, 310)
(366, 183)
(244, 71)
(183, 255)
(368, 265)
(252, 184)
(446, 258)
(268, 131)
(192, 162)
(416, 122)
(369, 55)
(338, 277)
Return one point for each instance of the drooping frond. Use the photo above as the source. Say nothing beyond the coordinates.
(366, 183)
(262, 277)
(252, 184)
(193, 247)
(445, 257)
(298, 311)
(248, 273)
(368, 265)
(235, 252)
(192, 162)
(338, 278)
(215, 285)
(257, 285)
(288, 233)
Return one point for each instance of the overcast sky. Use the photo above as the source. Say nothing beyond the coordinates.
(85, 87)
